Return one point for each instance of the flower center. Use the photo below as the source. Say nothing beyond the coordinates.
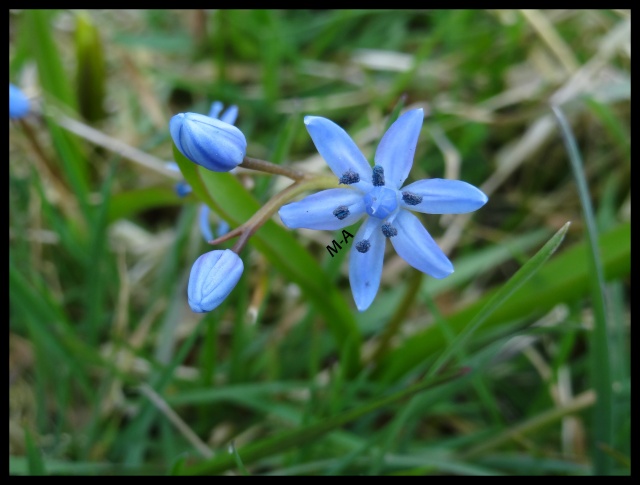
(380, 202)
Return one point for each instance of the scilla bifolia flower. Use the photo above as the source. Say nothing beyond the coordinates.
(213, 276)
(18, 102)
(378, 195)
(213, 143)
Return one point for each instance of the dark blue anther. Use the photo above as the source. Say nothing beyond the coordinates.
(388, 230)
(349, 177)
(410, 198)
(363, 246)
(341, 212)
(378, 176)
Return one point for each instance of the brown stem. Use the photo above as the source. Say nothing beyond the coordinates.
(264, 166)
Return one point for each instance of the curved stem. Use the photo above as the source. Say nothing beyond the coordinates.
(267, 210)
(264, 166)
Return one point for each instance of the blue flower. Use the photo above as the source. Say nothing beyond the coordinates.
(18, 103)
(212, 277)
(378, 195)
(212, 143)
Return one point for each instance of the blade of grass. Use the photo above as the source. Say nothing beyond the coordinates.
(562, 279)
(599, 342)
(285, 441)
(34, 458)
(515, 282)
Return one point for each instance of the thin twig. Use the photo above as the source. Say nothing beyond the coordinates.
(176, 420)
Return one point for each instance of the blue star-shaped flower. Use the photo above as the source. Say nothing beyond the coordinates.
(378, 195)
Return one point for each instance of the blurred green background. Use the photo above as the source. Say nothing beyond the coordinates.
(111, 373)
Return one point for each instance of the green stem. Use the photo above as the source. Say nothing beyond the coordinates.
(398, 317)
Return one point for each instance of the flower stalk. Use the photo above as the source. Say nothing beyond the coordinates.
(268, 167)
(266, 211)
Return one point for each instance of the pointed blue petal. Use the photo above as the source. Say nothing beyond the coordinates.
(203, 222)
(173, 166)
(216, 108)
(223, 227)
(414, 244)
(365, 269)
(316, 211)
(230, 115)
(442, 196)
(338, 149)
(398, 146)
(182, 188)
(19, 104)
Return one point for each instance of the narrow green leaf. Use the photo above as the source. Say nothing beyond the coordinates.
(515, 282)
(91, 72)
(599, 341)
(125, 205)
(290, 439)
(51, 73)
(563, 279)
(34, 458)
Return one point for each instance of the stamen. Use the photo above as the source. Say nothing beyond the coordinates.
(410, 198)
(349, 177)
(363, 246)
(341, 212)
(378, 176)
(388, 230)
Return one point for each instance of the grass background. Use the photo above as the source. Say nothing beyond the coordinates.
(111, 373)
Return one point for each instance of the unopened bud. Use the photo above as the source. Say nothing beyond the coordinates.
(214, 144)
(213, 276)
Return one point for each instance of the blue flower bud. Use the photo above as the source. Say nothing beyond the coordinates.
(214, 144)
(18, 103)
(213, 276)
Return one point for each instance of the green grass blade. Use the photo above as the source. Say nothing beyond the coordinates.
(515, 282)
(51, 73)
(91, 71)
(601, 367)
(34, 458)
(562, 279)
(285, 441)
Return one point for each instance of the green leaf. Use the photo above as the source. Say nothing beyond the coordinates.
(601, 376)
(91, 72)
(127, 204)
(34, 458)
(562, 279)
(52, 77)
(306, 434)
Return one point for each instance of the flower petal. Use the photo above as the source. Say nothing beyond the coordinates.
(365, 269)
(416, 246)
(230, 115)
(398, 146)
(316, 211)
(442, 196)
(203, 222)
(19, 104)
(338, 149)
(216, 108)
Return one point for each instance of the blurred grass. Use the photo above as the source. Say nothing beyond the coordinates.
(101, 248)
